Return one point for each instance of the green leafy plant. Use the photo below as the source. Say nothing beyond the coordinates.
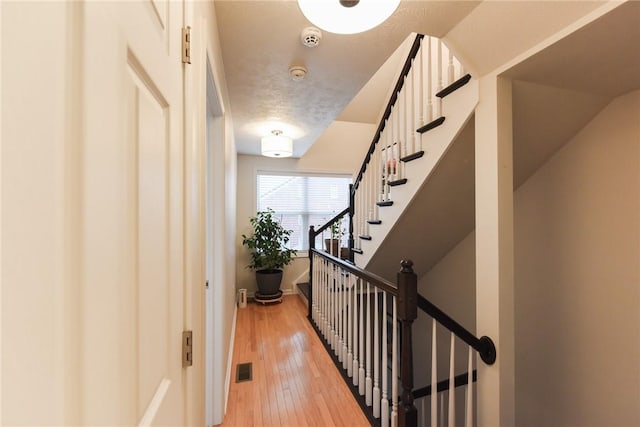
(336, 229)
(268, 242)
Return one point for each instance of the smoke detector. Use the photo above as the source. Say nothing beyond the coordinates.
(297, 73)
(311, 36)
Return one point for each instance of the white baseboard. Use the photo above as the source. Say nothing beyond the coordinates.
(227, 381)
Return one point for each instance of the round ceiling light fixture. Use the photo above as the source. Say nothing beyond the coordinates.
(277, 145)
(347, 16)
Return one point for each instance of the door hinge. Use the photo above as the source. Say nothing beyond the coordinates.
(186, 45)
(187, 348)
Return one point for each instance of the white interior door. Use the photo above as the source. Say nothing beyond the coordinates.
(133, 240)
(93, 176)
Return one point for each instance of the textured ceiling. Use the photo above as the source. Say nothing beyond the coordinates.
(260, 40)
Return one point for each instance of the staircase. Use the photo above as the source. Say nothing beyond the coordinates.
(427, 125)
(364, 316)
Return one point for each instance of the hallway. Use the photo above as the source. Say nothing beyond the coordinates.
(295, 382)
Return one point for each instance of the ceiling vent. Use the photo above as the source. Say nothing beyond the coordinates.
(297, 73)
(311, 37)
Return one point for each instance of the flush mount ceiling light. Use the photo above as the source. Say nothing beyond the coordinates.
(347, 16)
(277, 145)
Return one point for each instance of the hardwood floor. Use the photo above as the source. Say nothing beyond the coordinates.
(295, 382)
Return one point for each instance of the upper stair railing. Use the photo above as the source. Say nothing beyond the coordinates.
(430, 73)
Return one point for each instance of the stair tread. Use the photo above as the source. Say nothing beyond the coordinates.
(431, 125)
(397, 182)
(304, 289)
(357, 251)
(374, 221)
(411, 157)
(385, 203)
(454, 86)
(365, 237)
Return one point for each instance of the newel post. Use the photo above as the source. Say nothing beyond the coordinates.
(312, 245)
(407, 313)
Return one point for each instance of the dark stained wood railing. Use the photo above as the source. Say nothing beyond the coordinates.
(347, 290)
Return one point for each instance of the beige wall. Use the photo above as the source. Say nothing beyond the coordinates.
(453, 276)
(351, 140)
(577, 279)
(221, 290)
(577, 228)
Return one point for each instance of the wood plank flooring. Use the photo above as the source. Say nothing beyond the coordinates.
(295, 382)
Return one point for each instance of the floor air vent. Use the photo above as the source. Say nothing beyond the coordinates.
(244, 372)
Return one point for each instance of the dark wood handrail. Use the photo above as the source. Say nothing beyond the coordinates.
(331, 221)
(484, 345)
(387, 112)
(375, 280)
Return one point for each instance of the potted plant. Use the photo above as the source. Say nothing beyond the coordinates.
(332, 245)
(269, 252)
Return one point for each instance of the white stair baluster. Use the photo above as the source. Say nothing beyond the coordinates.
(314, 297)
(440, 84)
(376, 356)
(450, 69)
(356, 329)
(429, 69)
(387, 162)
(332, 287)
(360, 215)
(329, 306)
(318, 289)
(396, 141)
(350, 326)
(394, 365)
(329, 302)
(411, 102)
(384, 404)
(420, 91)
(452, 385)
(336, 310)
(340, 314)
(323, 295)
(322, 292)
(402, 128)
(469, 410)
(434, 375)
(442, 411)
(345, 277)
(361, 340)
(368, 381)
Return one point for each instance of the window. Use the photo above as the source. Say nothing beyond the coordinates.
(302, 200)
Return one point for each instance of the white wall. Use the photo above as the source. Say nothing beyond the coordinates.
(450, 285)
(577, 225)
(577, 279)
(223, 155)
(341, 153)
